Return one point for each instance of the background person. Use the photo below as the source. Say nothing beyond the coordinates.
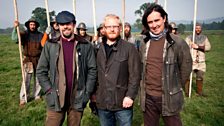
(81, 30)
(30, 39)
(51, 32)
(129, 37)
(200, 46)
(173, 28)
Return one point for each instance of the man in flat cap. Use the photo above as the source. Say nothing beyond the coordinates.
(67, 73)
(31, 39)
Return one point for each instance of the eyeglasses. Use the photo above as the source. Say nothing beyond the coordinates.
(112, 27)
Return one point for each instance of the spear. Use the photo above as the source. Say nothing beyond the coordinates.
(48, 16)
(20, 49)
(47, 12)
(123, 16)
(195, 15)
(74, 11)
(165, 5)
(74, 7)
(94, 18)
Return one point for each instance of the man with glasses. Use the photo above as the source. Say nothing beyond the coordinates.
(118, 65)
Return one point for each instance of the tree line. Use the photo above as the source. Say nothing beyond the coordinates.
(211, 26)
(40, 15)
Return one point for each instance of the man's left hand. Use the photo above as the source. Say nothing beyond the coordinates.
(127, 102)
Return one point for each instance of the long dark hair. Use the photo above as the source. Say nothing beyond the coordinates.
(149, 10)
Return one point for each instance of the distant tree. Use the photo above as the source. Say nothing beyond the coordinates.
(181, 28)
(140, 12)
(222, 25)
(39, 14)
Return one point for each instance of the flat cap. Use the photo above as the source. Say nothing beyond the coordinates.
(65, 17)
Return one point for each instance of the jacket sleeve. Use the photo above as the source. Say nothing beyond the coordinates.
(14, 36)
(43, 70)
(134, 69)
(44, 39)
(207, 45)
(185, 62)
(91, 70)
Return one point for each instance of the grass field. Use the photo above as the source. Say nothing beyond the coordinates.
(197, 111)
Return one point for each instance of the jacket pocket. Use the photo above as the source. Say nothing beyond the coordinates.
(122, 61)
(50, 99)
(81, 99)
(176, 100)
(121, 71)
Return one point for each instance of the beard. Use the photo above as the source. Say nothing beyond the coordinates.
(67, 33)
(112, 37)
(127, 34)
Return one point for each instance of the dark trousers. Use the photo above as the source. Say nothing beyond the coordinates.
(153, 111)
(57, 118)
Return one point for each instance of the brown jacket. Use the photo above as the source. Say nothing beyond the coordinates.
(31, 47)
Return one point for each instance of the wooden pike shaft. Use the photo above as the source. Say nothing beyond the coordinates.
(47, 12)
(74, 7)
(123, 17)
(195, 16)
(20, 49)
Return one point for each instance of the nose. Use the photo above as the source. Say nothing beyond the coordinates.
(153, 24)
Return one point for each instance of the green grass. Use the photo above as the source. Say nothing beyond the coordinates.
(197, 111)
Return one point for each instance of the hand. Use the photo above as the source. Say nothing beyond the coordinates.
(16, 23)
(194, 46)
(127, 102)
(95, 38)
(48, 30)
(93, 107)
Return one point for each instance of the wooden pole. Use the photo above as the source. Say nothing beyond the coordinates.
(123, 17)
(165, 5)
(94, 18)
(156, 1)
(195, 15)
(74, 12)
(74, 7)
(47, 12)
(20, 50)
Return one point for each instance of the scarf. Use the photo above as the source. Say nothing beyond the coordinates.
(157, 37)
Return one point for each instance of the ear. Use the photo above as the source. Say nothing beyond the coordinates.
(164, 19)
(121, 28)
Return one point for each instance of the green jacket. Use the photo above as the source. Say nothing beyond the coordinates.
(177, 66)
(84, 78)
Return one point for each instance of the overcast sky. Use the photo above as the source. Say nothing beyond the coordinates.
(177, 9)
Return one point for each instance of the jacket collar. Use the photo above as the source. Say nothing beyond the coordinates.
(169, 40)
(115, 45)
